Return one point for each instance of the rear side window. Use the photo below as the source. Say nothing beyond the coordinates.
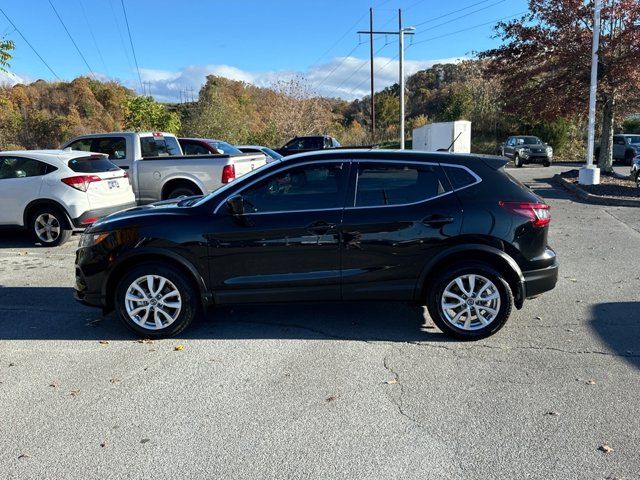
(91, 165)
(83, 145)
(194, 149)
(17, 167)
(395, 184)
(159, 146)
(459, 177)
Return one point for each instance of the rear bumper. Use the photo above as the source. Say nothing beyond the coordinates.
(85, 219)
(540, 281)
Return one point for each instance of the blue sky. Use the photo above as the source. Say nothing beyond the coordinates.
(178, 43)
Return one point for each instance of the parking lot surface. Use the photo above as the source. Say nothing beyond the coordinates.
(358, 390)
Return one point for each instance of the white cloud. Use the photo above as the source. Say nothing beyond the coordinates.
(344, 77)
(10, 78)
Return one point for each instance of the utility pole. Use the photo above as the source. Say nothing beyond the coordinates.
(401, 33)
(590, 175)
(373, 93)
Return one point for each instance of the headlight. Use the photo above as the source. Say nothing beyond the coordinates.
(90, 239)
(549, 150)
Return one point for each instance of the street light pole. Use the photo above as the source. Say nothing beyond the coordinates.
(590, 175)
(401, 32)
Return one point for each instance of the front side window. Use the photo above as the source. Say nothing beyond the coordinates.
(396, 184)
(159, 147)
(115, 147)
(307, 187)
(618, 140)
(17, 167)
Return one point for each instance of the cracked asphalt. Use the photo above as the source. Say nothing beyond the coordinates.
(360, 390)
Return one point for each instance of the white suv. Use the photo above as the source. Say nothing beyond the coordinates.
(51, 192)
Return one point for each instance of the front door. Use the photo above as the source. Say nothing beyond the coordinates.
(401, 214)
(285, 247)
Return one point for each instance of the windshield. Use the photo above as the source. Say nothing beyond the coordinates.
(226, 186)
(224, 147)
(528, 140)
(635, 139)
(272, 154)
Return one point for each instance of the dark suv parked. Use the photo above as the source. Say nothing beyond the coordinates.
(454, 232)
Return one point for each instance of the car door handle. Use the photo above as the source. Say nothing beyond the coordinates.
(320, 227)
(437, 220)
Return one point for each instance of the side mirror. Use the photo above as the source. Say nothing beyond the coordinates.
(235, 205)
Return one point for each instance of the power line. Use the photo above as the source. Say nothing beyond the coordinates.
(95, 43)
(117, 24)
(465, 15)
(133, 50)
(467, 29)
(452, 12)
(30, 46)
(72, 40)
(344, 59)
(338, 41)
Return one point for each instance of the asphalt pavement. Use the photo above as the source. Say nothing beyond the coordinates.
(358, 390)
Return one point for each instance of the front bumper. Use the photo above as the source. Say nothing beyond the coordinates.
(83, 220)
(540, 281)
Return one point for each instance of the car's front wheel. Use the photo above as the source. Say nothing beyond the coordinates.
(156, 300)
(49, 227)
(470, 302)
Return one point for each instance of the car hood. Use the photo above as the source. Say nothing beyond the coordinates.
(165, 207)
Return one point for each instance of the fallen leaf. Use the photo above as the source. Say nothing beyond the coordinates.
(179, 347)
(104, 342)
(590, 382)
(24, 455)
(573, 279)
(114, 380)
(569, 330)
(12, 364)
(553, 414)
(145, 440)
(103, 444)
(605, 448)
(54, 384)
(538, 318)
(393, 381)
(145, 340)
(74, 393)
(330, 398)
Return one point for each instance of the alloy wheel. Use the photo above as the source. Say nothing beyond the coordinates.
(470, 302)
(153, 302)
(47, 227)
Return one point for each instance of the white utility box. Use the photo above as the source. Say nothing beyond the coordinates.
(439, 136)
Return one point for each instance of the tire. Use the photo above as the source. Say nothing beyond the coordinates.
(546, 163)
(182, 191)
(184, 306)
(49, 227)
(628, 158)
(517, 161)
(638, 179)
(473, 329)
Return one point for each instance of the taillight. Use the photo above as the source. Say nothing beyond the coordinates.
(538, 213)
(228, 173)
(81, 182)
(126, 175)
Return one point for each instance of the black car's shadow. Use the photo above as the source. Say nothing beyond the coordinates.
(52, 314)
(20, 238)
(617, 324)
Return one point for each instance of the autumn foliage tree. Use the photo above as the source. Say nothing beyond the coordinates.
(545, 61)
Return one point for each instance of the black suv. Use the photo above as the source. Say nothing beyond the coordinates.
(454, 232)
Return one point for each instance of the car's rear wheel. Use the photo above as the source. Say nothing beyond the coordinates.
(183, 191)
(470, 302)
(156, 301)
(49, 227)
(546, 163)
(517, 160)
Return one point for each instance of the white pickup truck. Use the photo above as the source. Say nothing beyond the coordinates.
(157, 167)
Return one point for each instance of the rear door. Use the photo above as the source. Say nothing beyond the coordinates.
(400, 214)
(20, 183)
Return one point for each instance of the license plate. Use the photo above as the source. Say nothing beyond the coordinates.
(113, 184)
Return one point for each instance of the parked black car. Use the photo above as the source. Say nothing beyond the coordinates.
(454, 232)
(526, 149)
(309, 143)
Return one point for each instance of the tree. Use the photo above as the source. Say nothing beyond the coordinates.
(6, 46)
(144, 113)
(545, 61)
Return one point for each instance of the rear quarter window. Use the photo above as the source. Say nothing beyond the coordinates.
(91, 165)
(459, 177)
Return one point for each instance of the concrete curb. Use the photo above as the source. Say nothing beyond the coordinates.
(597, 199)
